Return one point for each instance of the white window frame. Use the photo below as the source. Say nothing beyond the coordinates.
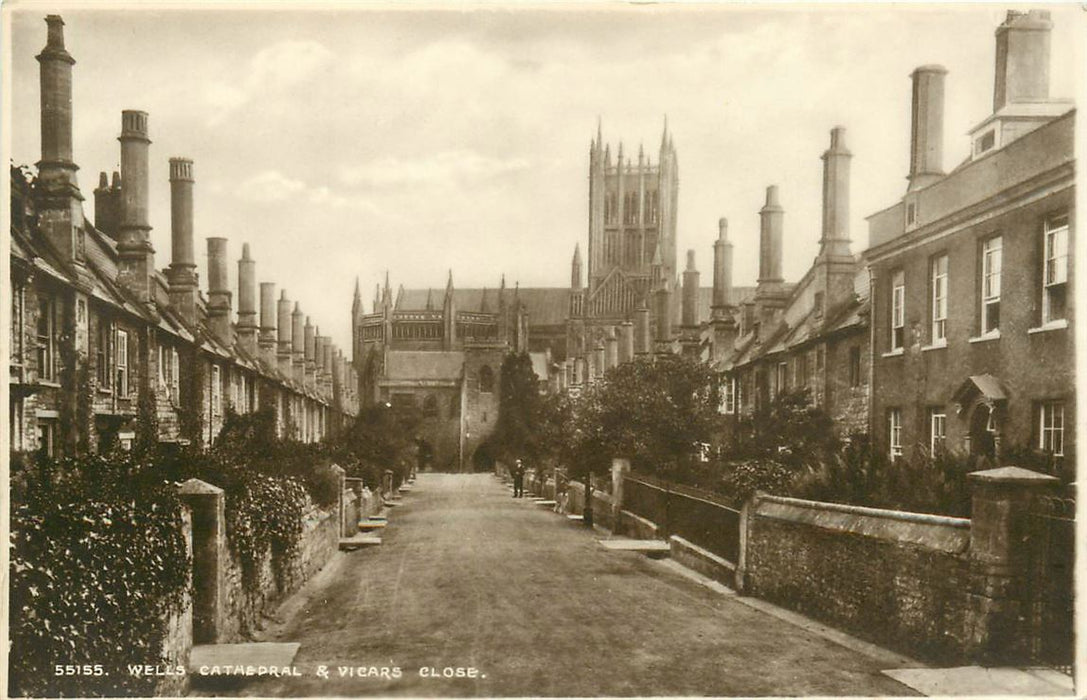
(15, 423)
(937, 430)
(47, 342)
(898, 310)
(175, 392)
(894, 433)
(940, 267)
(729, 397)
(1051, 427)
(781, 378)
(216, 390)
(1055, 266)
(992, 267)
(162, 367)
(120, 354)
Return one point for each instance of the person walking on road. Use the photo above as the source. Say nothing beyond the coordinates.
(518, 479)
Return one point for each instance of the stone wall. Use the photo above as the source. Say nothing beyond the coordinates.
(178, 641)
(898, 579)
(243, 611)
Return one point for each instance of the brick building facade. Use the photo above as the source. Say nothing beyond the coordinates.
(104, 345)
(972, 272)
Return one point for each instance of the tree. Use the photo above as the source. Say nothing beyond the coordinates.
(518, 428)
(656, 413)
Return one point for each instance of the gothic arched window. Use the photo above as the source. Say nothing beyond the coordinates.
(430, 406)
(486, 379)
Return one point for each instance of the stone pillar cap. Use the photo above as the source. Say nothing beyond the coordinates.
(1012, 475)
(196, 487)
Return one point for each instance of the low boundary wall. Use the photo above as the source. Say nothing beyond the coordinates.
(889, 576)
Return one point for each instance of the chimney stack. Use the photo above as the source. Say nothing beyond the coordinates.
(689, 312)
(56, 170)
(310, 347)
(1022, 58)
(137, 256)
(722, 271)
(107, 205)
(298, 342)
(611, 348)
(268, 322)
(641, 330)
(927, 126)
(328, 350)
(219, 296)
(626, 342)
(835, 240)
(247, 300)
(283, 327)
(181, 274)
(60, 213)
(771, 218)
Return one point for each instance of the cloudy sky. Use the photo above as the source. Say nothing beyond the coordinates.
(342, 143)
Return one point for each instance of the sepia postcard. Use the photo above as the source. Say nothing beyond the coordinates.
(540, 350)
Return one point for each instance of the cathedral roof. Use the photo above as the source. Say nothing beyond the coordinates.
(546, 306)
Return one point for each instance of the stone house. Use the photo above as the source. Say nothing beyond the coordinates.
(104, 345)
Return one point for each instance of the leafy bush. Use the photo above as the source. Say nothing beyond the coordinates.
(96, 544)
(742, 479)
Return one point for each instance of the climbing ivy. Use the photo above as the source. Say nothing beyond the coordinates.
(98, 563)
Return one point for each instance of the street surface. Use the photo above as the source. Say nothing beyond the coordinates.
(469, 578)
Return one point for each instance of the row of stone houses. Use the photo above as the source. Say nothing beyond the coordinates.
(953, 330)
(104, 345)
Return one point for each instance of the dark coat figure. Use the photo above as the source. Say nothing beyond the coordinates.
(518, 479)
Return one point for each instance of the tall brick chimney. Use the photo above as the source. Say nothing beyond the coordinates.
(689, 312)
(283, 350)
(722, 271)
(611, 348)
(835, 240)
(60, 211)
(219, 295)
(298, 343)
(1022, 58)
(328, 350)
(247, 300)
(137, 256)
(268, 322)
(626, 342)
(107, 204)
(181, 275)
(642, 343)
(927, 126)
(770, 291)
(310, 349)
(56, 169)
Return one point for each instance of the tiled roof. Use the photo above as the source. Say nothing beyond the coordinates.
(423, 364)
